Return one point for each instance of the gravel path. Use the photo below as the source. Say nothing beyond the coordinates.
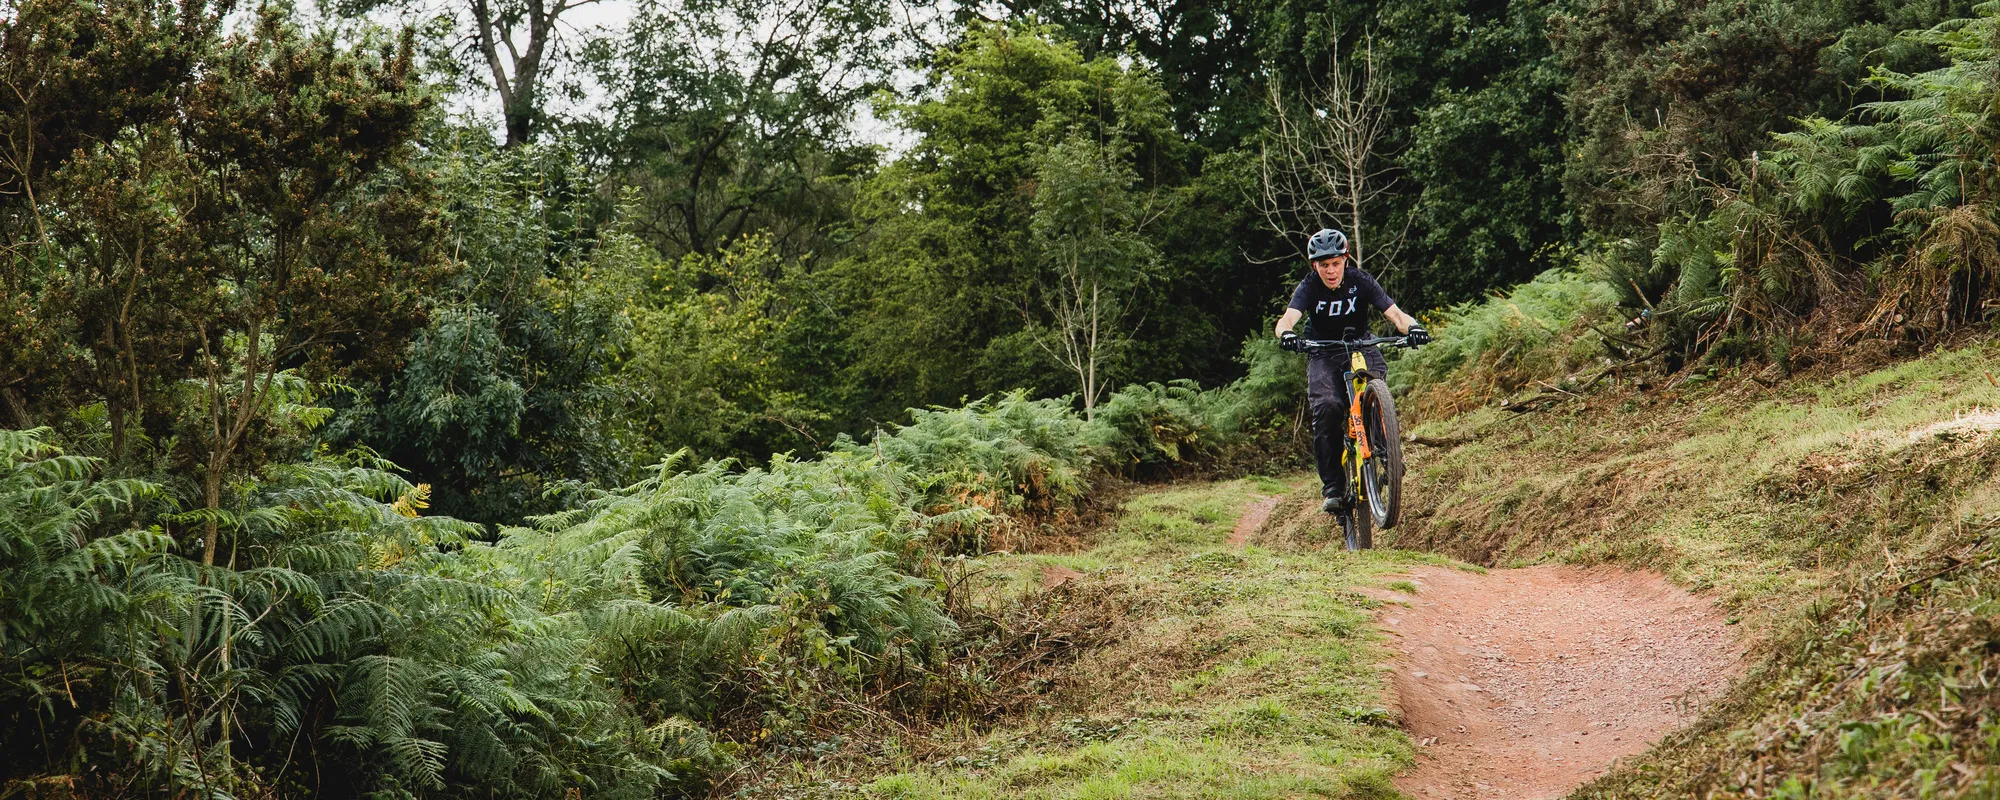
(1525, 683)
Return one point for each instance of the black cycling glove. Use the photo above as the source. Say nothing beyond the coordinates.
(1418, 336)
(1291, 341)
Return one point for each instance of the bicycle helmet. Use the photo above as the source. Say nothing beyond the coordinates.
(1326, 244)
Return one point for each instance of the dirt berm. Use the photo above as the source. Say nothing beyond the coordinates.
(1842, 523)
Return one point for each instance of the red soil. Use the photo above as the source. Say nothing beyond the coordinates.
(1526, 683)
(1253, 518)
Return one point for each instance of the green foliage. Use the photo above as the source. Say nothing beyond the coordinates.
(1542, 330)
(1086, 230)
(595, 650)
(1737, 213)
(1271, 382)
(714, 360)
(1004, 454)
(511, 387)
(1481, 142)
(1162, 424)
(939, 298)
(49, 506)
(730, 118)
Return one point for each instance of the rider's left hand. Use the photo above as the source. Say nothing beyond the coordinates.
(1417, 335)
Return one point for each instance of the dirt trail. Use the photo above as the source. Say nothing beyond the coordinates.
(1525, 683)
(1253, 518)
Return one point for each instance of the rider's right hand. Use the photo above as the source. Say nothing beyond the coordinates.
(1290, 341)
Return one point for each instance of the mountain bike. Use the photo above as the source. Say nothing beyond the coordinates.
(1374, 455)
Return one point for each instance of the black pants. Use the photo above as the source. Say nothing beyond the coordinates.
(1326, 392)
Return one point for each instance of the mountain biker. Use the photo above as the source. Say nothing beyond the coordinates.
(1335, 301)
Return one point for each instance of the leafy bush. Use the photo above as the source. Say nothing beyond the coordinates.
(596, 649)
(822, 563)
(1005, 454)
(1273, 388)
(353, 623)
(1151, 424)
(1538, 331)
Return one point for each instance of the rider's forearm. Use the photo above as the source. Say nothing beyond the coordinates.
(1399, 319)
(1286, 322)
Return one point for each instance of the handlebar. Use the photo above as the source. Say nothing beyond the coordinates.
(1328, 345)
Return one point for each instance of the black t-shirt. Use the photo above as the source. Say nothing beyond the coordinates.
(1339, 313)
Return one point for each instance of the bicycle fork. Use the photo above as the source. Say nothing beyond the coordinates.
(1357, 453)
(1357, 382)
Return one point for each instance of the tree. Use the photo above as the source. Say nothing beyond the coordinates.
(1325, 162)
(91, 184)
(311, 264)
(511, 387)
(932, 298)
(711, 365)
(518, 45)
(1087, 229)
(518, 73)
(1482, 153)
(1205, 53)
(731, 117)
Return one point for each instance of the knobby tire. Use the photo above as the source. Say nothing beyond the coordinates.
(1382, 474)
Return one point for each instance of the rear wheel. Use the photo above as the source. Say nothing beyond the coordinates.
(1382, 473)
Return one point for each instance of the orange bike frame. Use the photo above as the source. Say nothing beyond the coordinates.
(1355, 432)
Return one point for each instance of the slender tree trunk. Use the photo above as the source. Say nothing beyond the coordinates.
(1354, 208)
(1090, 357)
(211, 495)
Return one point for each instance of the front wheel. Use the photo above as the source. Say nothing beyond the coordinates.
(1382, 473)
(1355, 527)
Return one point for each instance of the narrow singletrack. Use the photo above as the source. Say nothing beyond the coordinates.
(1526, 683)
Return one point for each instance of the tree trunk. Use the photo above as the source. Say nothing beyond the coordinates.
(211, 495)
(19, 407)
(1090, 357)
(520, 124)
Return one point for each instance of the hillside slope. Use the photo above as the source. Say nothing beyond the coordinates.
(1844, 519)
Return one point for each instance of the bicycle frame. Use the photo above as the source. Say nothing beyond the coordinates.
(1361, 458)
(1357, 435)
(1357, 377)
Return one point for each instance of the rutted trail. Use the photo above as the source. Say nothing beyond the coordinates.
(1526, 683)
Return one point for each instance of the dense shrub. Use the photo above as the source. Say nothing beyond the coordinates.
(1539, 331)
(1152, 424)
(597, 649)
(1003, 454)
(402, 654)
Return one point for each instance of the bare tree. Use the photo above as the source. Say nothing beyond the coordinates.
(1088, 225)
(1324, 162)
(1084, 318)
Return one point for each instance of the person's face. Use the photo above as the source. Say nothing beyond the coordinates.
(1331, 270)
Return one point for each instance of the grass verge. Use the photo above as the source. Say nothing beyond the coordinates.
(1243, 671)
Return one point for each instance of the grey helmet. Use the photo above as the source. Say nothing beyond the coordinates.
(1326, 244)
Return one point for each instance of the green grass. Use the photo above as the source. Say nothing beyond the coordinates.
(1716, 489)
(1257, 673)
